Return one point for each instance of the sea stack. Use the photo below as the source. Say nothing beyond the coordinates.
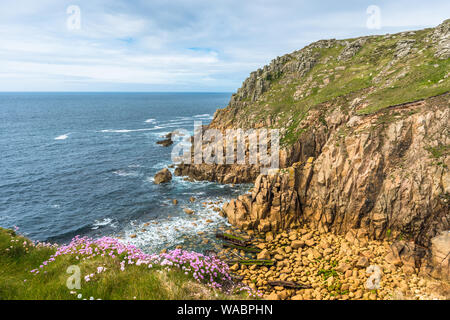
(163, 176)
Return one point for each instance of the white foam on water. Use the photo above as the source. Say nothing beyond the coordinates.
(173, 123)
(179, 120)
(205, 115)
(122, 173)
(62, 137)
(134, 166)
(103, 222)
(150, 120)
(169, 125)
(162, 233)
(129, 130)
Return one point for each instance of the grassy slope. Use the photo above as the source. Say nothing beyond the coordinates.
(136, 282)
(373, 73)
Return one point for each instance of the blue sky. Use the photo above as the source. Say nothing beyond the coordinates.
(176, 45)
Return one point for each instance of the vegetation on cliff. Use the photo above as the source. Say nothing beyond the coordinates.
(380, 71)
(108, 270)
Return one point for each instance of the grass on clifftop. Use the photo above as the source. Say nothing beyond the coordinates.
(385, 71)
(106, 278)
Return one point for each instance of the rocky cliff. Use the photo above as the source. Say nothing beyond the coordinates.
(365, 138)
(386, 173)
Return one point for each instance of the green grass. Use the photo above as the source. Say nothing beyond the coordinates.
(327, 273)
(135, 282)
(420, 82)
(375, 73)
(439, 151)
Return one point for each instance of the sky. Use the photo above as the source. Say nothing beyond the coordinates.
(172, 45)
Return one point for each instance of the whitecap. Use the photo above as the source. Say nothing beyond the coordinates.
(181, 121)
(134, 166)
(122, 173)
(129, 130)
(101, 223)
(205, 115)
(62, 137)
(150, 120)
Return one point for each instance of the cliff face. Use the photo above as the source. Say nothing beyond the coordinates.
(365, 135)
(296, 92)
(378, 70)
(380, 173)
(386, 173)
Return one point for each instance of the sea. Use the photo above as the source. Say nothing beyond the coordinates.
(83, 164)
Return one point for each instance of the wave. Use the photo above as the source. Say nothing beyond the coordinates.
(122, 173)
(205, 115)
(177, 123)
(165, 233)
(129, 130)
(102, 223)
(150, 120)
(180, 120)
(134, 166)
(62, 137)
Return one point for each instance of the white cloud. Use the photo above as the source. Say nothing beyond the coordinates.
(134, 45)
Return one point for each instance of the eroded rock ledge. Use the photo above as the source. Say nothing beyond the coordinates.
(219, 173)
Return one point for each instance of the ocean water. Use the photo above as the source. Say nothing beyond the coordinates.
(83, 164)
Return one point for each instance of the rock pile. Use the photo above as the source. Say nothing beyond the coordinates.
(330, 267)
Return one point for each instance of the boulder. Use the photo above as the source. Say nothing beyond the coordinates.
(273, 296)
(362, 262)
(263, 255)
(440, 254)
(297, 244)
(163, 176)
(167, 141)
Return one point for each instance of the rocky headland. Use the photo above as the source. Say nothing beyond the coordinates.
(363, 176)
